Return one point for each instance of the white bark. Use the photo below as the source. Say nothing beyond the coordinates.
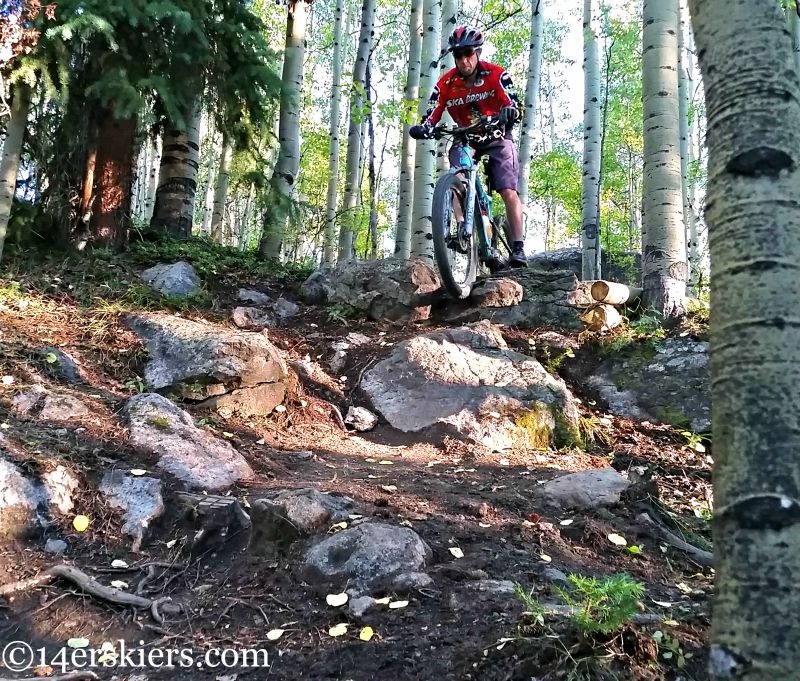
(592, 140)
(288, 162)
(664, 267)
(177, 178)
(421, 243)
(329, 242)
(402, 239)
(531, 97)
(446, 62)
(221, 192)
(208, 193)
(753, 217)
(354, 137)
(12, 149)
(152, 177)
(685, 67)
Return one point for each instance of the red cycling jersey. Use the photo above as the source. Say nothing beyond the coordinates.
(491, 91)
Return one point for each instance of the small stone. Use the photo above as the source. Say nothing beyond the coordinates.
(361, 419)
(358, 607)
(55, 546)
(304, 455)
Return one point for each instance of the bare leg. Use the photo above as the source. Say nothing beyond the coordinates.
(513, 212)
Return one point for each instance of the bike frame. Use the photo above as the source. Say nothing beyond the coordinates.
(468, 167)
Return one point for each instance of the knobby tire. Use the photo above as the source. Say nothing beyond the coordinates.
(451, 187)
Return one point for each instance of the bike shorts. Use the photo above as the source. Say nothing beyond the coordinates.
(503, 162)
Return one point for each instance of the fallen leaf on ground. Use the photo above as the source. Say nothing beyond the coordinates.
(138, 471)
(617, 539)
(78, 642)
(457, 552)
(117, 563)
(338, 630)
(366, 634)
(80, 523)
(274, 634)
(391, 489)
(394, 605)
(335, 600)
(338, 526)
(119, 584)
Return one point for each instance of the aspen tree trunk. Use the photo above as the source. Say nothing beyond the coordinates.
(152, 177)
(445, 62)
(244, 231)
(402, 239)
(140, 181)
(221, 191)
(687, 152)
(753, 216)
(329, 240)
(421, 243)
(683, 132)
(592, 138)
(371, 177)
(354, 138)
(531, 97)
(693, 253)
(288, 162)
(794, 29)
(9, 161)
(664, 267)
(208, 192)
(177, 179)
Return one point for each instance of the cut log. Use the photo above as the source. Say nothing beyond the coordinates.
(613, 293)
(601, 317)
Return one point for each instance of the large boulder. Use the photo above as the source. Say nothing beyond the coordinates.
(177, 279)
(666, 383)
(229, 370)
(391, 289)
(159, 427)
(467, 381)
(19, 500)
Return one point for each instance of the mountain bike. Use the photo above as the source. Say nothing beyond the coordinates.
(464, 229)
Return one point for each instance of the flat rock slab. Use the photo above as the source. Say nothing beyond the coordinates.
(197, 458)
(584, 490)
(366, 555)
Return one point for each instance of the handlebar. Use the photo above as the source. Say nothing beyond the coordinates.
(483, 123)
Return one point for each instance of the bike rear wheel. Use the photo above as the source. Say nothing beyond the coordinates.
(456, 255)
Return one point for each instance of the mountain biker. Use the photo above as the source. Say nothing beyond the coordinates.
(472, 89)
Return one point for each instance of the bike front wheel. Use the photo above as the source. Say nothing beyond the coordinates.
(456, 254)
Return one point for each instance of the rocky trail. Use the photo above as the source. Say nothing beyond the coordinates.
(244, 464)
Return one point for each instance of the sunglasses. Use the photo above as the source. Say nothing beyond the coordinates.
(463, 54)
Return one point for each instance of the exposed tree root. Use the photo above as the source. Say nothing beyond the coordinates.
(93, 588)
(700, 556)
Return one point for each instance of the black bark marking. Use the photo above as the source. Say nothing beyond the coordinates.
(760, 161)
(765, 513)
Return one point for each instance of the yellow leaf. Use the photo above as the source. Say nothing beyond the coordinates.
(386, 462)
(383, 601)
(366, 634)
(117, 563)
(138, 471)
(338, 630)
(394, 605)
(617, 539)
(457, 552)
(274, 634)
(80, 523)
(545, 558)
(119, 584)
(391, 489)
(335, 600)
(338, 526)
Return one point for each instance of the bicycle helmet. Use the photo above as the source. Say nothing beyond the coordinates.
(465, 37)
